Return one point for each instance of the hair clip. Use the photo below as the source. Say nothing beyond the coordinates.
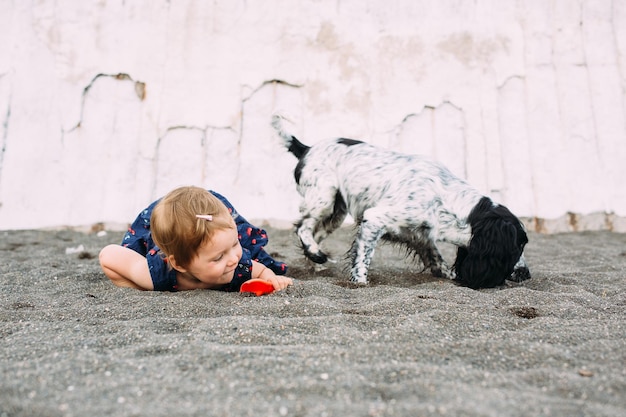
(206, 217)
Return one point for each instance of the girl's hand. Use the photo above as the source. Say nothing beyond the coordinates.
(279, 282)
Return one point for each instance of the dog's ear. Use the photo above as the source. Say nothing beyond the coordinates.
(493, 250)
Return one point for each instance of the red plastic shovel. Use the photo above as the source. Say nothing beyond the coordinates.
(257, 287)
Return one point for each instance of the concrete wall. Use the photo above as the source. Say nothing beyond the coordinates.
(106, 105)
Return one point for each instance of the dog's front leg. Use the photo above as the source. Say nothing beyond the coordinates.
(305, 231)
(371, 229)
(521, 272)
(432, 259)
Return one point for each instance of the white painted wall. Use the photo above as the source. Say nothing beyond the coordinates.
(106, 105)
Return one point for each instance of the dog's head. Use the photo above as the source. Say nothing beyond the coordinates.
(498, 240)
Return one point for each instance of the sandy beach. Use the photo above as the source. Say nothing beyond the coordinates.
(406, 345)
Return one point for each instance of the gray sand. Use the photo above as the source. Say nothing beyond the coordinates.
(407, 345)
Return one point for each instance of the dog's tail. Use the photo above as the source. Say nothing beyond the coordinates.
(292, 144)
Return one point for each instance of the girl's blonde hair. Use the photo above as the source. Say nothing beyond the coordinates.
(175, 228)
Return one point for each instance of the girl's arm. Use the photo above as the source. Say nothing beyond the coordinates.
(125, 267)
(260, 271)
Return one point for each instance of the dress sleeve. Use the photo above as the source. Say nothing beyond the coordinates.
(138, 237)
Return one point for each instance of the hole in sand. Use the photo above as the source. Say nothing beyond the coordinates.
(525, 312)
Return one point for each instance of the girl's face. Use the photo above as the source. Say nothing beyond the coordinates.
(217, 259)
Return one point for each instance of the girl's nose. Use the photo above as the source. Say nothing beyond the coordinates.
(233, 258)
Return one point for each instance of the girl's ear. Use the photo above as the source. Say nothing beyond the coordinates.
(172, 261)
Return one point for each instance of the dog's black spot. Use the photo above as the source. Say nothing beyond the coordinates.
(348, 142)
(297, 173)
(298, 148)
(340, 204)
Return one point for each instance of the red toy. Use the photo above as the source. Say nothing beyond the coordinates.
(257, 287)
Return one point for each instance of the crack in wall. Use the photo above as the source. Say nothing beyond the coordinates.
(427, 107)
(590, 92)
(5, 135)
(397, 131)
(500, 90)
(155, 162)
(244, 100)
(256, 90)
(140, 91)
(616, 42)
(203, 144)
(3, 143)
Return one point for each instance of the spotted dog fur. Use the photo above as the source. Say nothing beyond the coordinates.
(406, 199)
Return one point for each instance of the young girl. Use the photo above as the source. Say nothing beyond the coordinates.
(190, 239)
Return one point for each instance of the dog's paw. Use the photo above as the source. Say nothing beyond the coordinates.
(357, 283)
(520, 274)
(317, 257)
(358, 278)
(443, 272)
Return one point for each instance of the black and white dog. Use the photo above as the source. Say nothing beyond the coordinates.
(406, 199)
